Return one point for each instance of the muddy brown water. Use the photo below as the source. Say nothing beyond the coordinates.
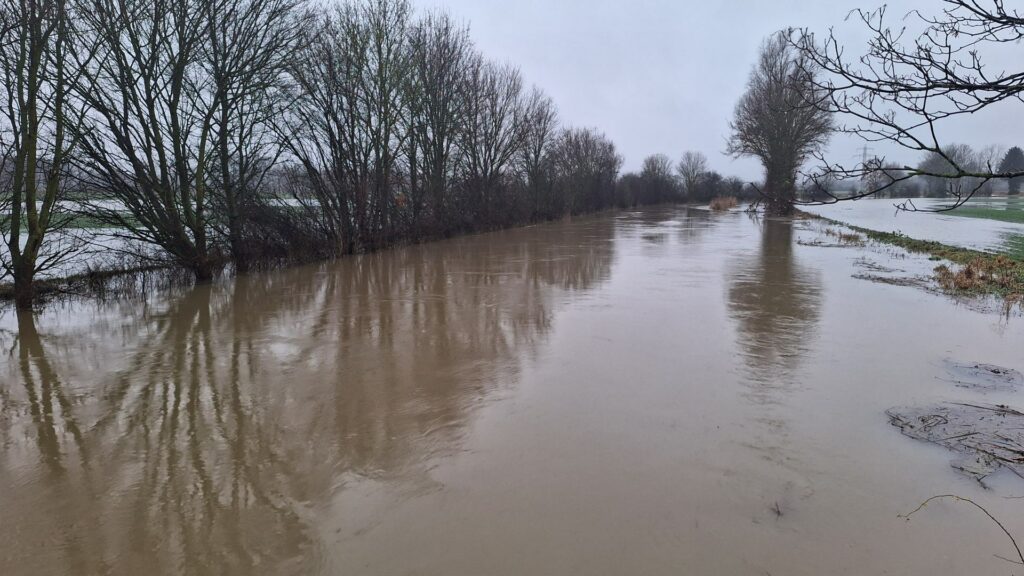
(656, 392)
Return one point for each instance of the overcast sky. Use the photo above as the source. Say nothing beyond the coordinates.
(662, 76)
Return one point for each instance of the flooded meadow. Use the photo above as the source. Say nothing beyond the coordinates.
(665, 391)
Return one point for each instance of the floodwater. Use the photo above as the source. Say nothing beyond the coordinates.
(660, 392)
(946, 227)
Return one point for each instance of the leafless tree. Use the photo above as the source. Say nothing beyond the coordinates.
(586, 166)
(146, 143)
(348, 134)
(441, 53)
(690, 168)
(36, 38)
(493, 132)
(539, 132)
(943, 165)
(782, 120)
(249, 46)
(659, 183)
(913, 77)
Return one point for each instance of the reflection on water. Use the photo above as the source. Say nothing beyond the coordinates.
(199, 434)
(775, 302)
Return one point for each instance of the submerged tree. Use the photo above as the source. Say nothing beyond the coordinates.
(782, 120)
(539, 132)
(910, 80)
(493, 132)
(250, 44)
(36, 38)
(146, 144)
(441, 53)
(586, 166)
(347, 127)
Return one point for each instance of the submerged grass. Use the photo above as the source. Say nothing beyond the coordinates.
(968, 272)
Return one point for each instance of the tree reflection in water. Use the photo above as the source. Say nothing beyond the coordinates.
(200, 435)
(775, 302)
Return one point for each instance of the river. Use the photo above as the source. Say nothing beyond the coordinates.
(657, 392)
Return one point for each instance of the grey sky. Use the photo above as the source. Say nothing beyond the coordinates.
(662, 76)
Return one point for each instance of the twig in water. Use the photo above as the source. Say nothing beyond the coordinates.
(956, 498)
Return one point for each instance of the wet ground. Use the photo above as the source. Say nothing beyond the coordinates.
(656, 392)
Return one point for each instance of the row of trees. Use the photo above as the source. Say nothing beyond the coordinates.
(935, 177)
(944, 165)
(237, 130)
(690, 180)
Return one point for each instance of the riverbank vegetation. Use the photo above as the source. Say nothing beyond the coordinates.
(724, 204)
(965, 272)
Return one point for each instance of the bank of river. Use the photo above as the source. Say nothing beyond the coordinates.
(667, 391)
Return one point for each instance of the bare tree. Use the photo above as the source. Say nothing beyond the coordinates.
(36, 38)
(935, 171)
(988, 159)
(493, 132)
(586, 166)
(146, 143)
(442, 53)
(249, 46)
(539, 132)
(690, 168)
(782, 119)
(906, 84)
(348, 123)
(658, 183)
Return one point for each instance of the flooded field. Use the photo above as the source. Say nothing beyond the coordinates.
(660, 392)
(977, 233)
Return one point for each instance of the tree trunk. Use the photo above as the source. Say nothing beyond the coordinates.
(203, 270)
(24, 286)
(238, 252)
(780, 191)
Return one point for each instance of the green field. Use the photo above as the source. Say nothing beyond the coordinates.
(1009, 210)
(1001, 209)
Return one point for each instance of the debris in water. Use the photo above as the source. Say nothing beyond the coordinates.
(987, 437)
(986, 377)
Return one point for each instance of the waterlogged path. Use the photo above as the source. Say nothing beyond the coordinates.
(659, 392)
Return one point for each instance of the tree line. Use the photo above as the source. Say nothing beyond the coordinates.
(935, 175)
(250, 131)
(690, 179)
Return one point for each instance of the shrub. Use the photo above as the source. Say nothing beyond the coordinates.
(723, 203)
